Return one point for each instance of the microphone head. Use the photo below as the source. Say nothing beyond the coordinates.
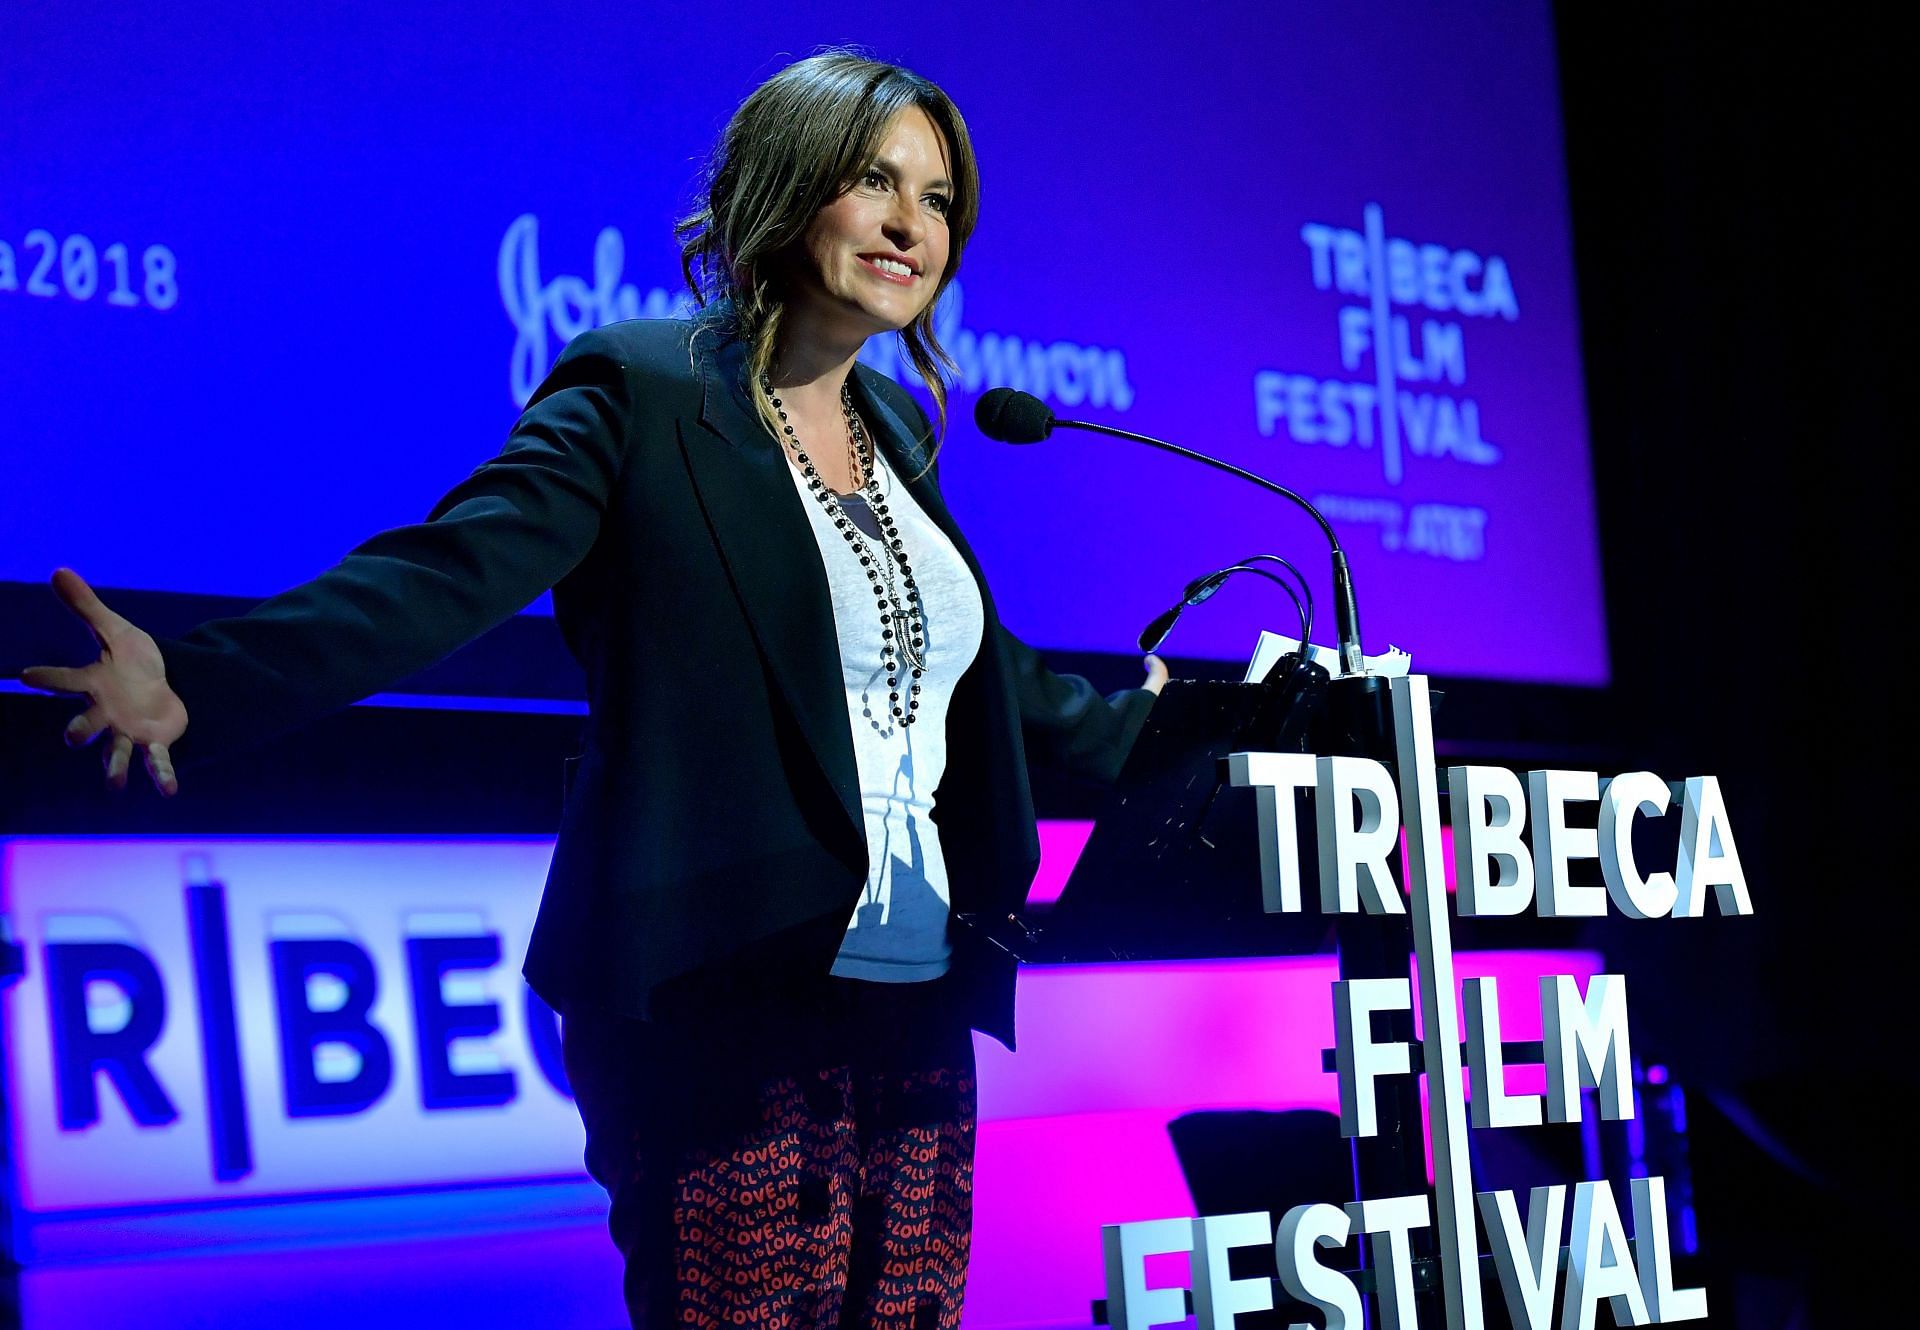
(1011, 416)
(1156, 632)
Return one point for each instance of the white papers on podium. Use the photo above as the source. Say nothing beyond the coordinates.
(1271, 646)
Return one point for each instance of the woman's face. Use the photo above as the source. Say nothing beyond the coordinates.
(873, 258)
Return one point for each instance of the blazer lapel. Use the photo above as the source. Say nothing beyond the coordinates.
(760, 525)
(759, 522)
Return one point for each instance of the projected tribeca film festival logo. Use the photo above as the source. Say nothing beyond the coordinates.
(318, 1021)
(1410, 407)
(1515, 842)
(548, 313)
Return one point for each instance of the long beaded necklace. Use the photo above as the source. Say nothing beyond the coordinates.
(902, 626)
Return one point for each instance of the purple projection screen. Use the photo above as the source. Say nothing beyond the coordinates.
(270, 282)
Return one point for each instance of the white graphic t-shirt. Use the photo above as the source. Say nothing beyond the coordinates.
(899, 927)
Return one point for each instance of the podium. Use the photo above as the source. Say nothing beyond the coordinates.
(1166, 873)
(1172, 871)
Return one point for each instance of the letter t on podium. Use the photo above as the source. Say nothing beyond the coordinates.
(1275, 777)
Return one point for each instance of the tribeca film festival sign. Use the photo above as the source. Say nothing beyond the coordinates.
(1494, 814)
(1412, 403)
(227, 1019)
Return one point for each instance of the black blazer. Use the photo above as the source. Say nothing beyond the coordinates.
(713, 822)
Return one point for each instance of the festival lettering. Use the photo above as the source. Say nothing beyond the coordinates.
(1516, 843)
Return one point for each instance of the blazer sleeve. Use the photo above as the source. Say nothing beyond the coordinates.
(408, 597)
(1064, 720)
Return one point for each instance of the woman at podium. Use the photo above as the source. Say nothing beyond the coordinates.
(808, 731)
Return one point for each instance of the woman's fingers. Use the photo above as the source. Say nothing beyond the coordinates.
(80, 598)
(55, 678)
(84, 728)
(1156, 675)
(160, 768)
(127, 688)
(119, 758)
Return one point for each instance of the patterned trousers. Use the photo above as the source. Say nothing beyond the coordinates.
(796, 1165)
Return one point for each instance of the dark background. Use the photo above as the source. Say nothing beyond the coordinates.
(1734, 231)
(1732, 174)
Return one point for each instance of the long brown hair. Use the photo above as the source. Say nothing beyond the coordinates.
(795, 145)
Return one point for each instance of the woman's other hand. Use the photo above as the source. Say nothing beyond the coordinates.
(1156, 675)
(127, 686)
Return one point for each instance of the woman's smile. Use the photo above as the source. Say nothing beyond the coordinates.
(896, 268)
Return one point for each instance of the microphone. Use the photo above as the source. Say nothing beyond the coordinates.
(1010, 416)
(1156, 632)
(1201, 589)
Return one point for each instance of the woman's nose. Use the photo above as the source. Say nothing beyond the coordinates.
(906, 223)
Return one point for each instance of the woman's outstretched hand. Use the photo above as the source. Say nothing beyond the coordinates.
(127, 686)
(1156, 675)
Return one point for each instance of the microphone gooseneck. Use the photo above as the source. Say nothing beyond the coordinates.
(1010, 416)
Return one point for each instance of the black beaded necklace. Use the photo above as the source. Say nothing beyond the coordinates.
(902, 626)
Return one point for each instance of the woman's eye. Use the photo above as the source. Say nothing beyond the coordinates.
(875, 179)
(941, 203)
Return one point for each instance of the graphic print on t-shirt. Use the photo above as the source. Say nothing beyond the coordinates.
(899, 896)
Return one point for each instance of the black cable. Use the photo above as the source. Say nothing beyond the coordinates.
(1306, 589)
(1212, 582)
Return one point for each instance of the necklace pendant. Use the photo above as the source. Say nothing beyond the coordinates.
(915, 656)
